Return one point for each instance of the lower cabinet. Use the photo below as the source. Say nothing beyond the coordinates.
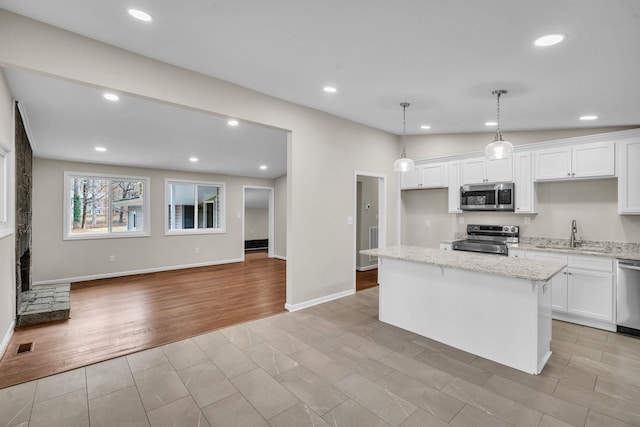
(584, 292)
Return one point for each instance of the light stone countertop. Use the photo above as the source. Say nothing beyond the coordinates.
(603, 251)
(519, 268)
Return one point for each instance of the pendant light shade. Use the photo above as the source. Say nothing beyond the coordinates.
(404, 164)
(499, 148)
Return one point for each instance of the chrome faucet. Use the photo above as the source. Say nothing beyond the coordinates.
(574, 229)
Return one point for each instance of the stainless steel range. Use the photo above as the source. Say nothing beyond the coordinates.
(490, 239)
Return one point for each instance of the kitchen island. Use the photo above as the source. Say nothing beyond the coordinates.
(492, 306)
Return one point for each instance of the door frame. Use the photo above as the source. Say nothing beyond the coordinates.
(271, 215)
(382, 213)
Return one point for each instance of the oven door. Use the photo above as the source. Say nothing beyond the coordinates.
(477, 198)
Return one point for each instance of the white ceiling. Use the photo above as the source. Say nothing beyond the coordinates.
(443, 56)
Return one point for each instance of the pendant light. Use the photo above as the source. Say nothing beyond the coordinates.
(404, 164)
(499, 148)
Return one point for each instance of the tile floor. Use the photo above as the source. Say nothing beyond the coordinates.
(336, 365)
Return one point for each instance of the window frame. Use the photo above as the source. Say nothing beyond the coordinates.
(6, 225)
(191, 231)
(146, 206)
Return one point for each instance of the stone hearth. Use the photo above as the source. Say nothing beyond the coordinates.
(44, 303)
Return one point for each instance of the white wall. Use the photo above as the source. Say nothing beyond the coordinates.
(323, 150)
(7, 245)
(280, 226)
(256, 224)
(593, 203)
(55, 259)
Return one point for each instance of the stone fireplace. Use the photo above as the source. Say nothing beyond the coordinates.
(24, 159)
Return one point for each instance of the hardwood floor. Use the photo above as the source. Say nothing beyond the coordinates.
(366, 279)
(119, 316)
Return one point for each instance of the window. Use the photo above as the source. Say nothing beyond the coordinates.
(5, 227)
(194, 207)
(98, 206)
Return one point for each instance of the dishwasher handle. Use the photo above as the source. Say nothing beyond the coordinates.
(628, 266)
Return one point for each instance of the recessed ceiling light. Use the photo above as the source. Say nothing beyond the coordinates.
(589, 117)
(491, 123)
(549, 40)
(330, 89)
(263, 167)
(111, 97)
(140, 15)
(100, 149)
(193, 159)
(425, 127)
(232, 122)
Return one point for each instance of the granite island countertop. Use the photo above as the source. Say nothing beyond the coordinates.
(519, 268)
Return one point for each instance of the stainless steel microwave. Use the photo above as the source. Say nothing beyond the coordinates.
(487, 197)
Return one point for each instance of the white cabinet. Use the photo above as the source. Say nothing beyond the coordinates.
(480, 170)
(446, 246)
(592, 160)
(424, 176)
(590, 294)
(583, 292)
(558, 282)
(629, 176)
(454, 187)
(526, 200)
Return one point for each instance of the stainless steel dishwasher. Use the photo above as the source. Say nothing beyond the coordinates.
(628, 319)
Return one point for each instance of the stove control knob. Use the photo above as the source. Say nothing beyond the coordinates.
(505, 228)
(512, 229)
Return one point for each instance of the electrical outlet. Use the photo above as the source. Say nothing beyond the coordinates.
(349, 220)
(427, 223)
(112, 258)
(197, 251)
(527, 220)
(461, 220)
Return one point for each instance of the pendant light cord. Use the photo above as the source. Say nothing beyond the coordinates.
(404, 106)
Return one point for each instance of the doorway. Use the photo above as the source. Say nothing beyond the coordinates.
(258, 222)
(370, 226)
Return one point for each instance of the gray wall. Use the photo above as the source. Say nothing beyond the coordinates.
(367, 194)
(56, 259)
(280, 232)
(256, 224)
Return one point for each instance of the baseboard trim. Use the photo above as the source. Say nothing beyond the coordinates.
(6, 339)
(134, 272)
(284, 258)
(367, 268)
(592, 323)
(316, 301)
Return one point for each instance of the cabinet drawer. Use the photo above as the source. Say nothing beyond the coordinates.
(591, 263)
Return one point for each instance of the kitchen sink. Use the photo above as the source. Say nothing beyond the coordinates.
(579, 248)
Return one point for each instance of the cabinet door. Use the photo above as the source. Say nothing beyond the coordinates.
(553, 163)
(558, 282)
(411, 180)
(590, 294)
(593, 160)
(434, 175)
(474, 171)
(454, 187)
(629, 177)
(499, 170)
(525, 193)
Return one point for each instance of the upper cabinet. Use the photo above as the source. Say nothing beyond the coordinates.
(432, 175)
(593, 160)
(526, 198)
(629, 176)
(454, 187)
(481, 170)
